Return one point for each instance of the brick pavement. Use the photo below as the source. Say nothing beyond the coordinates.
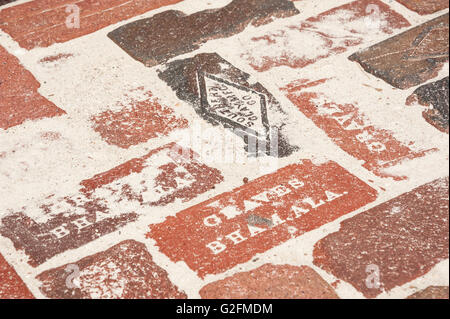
(227, 149)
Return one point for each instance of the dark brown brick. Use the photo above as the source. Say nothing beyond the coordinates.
(3, 2)
(125, 271)
(271, 282)
(410, 58)
(392, 243)
(434, 95)
(171, 33)
(226, 97)
(432, 292)
(425, 6)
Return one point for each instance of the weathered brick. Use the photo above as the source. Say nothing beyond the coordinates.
(410, 58)
(425, 6)
(125, 271)
(19, 97)
(107, 202)
(348, 127)
(225, 96)
(320, 37)
(41, 23)
(2, 2)
(232, 228)
(171, 33)
(271, 282)
(392, 243)
(434, 95)
(137, 122)
(432, 292)
(11, 285)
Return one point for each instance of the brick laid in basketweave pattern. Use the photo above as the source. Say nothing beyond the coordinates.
(233, 227)
(41, 23)
(425, 6)
(171, 33)
(19, 97)
(402, 239)
(107, 202)
(410, 58)
(435, 96)
(271, 282)
(125, 271)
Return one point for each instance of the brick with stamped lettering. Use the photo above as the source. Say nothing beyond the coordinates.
(410, 58)
(124, 271)
(349, 128)
(224, 95)
(232, 228)
(107, 202)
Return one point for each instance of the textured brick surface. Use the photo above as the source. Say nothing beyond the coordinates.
(404, 238)
(271, 282)
(11, 286)
(425, 6)
(107, 202)
(348, 127)
(137, 122)
(41, 23)
(433, 292)
(19, 97)
(171, 33)
(125, 271)
(434, 95)
(225, 97)
(224, 149)
(233, 227)
(317, 38)
(410, 58)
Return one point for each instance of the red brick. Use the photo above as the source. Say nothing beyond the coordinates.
(331, 32)
(108, 202)
(271, 282)
(137, 122)
(432, 292)
(11, 285)
(162, 176)
(425, 6)
(410, 58)
(125, 271)
(19, 97)
(349, 128)
(265, 212)
(403, 239)
(41, 23)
